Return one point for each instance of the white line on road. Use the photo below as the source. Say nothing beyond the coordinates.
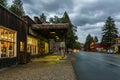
(109, 62)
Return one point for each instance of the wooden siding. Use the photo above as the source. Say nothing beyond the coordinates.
(12, 21)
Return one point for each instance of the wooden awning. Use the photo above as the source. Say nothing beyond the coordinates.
(115, 45)
(47, 30)
(50, 26)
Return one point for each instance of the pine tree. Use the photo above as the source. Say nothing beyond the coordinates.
(71, 37)
(66, 18)
(51, 20)
(3, 3)
(109, 32)
(88, 41)
(43, 18)
(17, 8)
(95, 39)
(56, 19)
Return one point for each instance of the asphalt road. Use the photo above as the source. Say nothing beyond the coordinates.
(96, 66)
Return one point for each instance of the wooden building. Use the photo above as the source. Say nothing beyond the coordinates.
(22, 38)
(13, 38)
(35, 41)
(116, 46)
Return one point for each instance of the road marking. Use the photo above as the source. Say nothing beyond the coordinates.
(114, 56)
(109, 62)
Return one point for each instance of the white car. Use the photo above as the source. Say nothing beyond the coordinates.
(111, 51)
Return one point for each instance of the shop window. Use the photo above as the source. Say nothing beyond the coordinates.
(28, 48)
(7, 49)
(4, 47)
(7, 43)
(21, 46)
(32, 46)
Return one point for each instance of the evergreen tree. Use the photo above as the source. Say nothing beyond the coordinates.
(109, 32)
(71, 37)
(95, 39)
(43, 18)
(77, 45)
(17, 8)
(56, 19)
(65, 18)
(3, 3)
(88, 41)
(51, 20)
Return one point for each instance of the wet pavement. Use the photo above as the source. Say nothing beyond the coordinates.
(96, 66)
(46, 68)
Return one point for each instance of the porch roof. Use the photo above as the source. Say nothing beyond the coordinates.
(59, 29)
(115, 45)
(50, 26)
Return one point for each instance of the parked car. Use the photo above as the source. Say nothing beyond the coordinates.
(111, 51)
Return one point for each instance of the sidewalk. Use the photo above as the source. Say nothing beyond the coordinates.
(46, 68)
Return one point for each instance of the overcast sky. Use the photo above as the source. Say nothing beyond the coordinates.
(88, 15)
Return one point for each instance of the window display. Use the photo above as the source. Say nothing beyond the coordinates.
(7, 43)
(21, 46)
(32, 46)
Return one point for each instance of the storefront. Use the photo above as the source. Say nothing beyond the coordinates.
(32, 45)
(7, 43)
(36, 44)
(54, 33)
(8, 52)
(13, 38)
(18, 37)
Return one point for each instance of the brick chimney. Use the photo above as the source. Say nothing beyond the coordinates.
(36, 20)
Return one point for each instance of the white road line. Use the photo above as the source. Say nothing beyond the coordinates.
(109, 62)
(113, 56)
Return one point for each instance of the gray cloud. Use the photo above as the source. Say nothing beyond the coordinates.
(48, 7)
(97, 11)
(28, 2)
(59, 5)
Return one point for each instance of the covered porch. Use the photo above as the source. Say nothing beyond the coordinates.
(55, 35)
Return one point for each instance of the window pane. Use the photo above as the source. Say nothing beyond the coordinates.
(32, 45)
(4, 49)
(7, 44)
(21, 46)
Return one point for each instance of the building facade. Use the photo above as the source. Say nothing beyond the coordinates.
(116, 46)
(21, 39)
(12, 38)
(37, 45)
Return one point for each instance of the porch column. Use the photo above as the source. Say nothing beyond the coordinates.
(62, 46)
